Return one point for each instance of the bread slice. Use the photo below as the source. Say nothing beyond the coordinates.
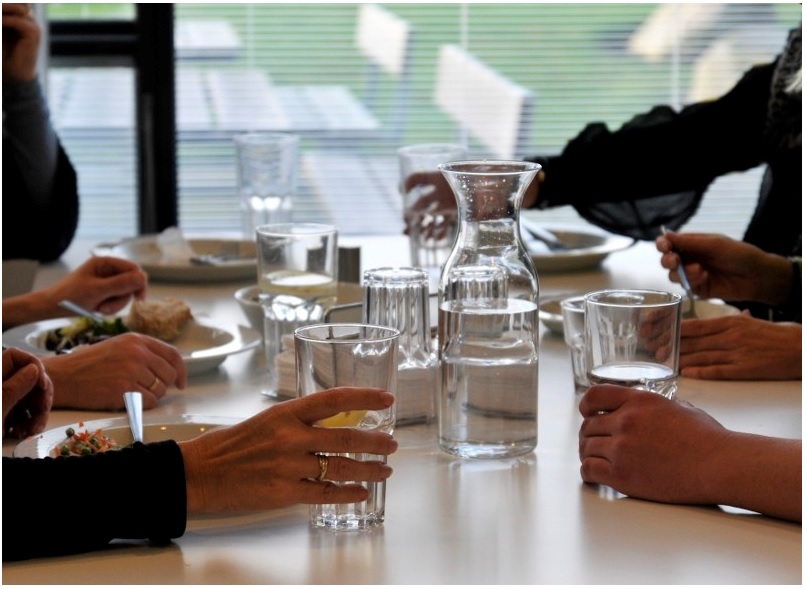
(161, 319)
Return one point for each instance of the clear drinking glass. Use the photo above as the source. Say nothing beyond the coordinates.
(427, 249)
(297, 277)
(267, 178)
(488, 317)
(574, 314)
(399, 298)
(350, 354)
(632, 339)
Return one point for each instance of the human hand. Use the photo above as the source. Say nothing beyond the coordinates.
(103, 284)
(429, 202)
(21, 35)
(27, 394)
(647, 446)
(96, 376)
(740, 347)
(718, 266)
(270, 460)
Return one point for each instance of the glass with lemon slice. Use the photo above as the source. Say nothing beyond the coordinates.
(349, 354)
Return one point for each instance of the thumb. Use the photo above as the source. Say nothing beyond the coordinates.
(19, 384)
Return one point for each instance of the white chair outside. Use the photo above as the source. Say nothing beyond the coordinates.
(493, 110)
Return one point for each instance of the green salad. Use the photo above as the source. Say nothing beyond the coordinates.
(83, 331)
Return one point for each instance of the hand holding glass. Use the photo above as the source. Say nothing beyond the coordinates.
(432, 229)
(346, 354)
(632, 339)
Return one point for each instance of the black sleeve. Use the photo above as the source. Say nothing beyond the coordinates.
(57, 506)
(655, 169)
(41, 233)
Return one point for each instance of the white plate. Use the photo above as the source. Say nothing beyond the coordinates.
(155, 429)
(588, 248)
(145, 251)
(203, 347)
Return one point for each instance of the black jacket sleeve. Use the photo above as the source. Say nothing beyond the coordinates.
(655, 169)
(57, 506)
(41, 234)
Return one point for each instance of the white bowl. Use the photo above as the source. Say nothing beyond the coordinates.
(710, 308)
(247, 298)
(347, 294)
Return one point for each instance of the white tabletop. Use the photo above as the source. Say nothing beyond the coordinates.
(526, 520)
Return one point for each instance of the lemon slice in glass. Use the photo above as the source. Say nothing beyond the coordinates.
(344, 419)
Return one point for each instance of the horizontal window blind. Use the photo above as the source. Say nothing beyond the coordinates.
(243, 67)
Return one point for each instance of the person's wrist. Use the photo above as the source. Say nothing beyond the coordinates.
(782, 279)
(193, 487)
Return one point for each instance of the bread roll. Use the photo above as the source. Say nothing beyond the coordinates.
(161, 319)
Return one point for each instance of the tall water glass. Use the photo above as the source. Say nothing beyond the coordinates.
(427, 249)
(399, 298)
(632, 339)
(359, 355)
(297, 277)
(267, 178)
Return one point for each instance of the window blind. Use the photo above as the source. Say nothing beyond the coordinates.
(581, 63)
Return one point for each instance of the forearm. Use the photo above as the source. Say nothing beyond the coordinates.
(776, 287)
(761, 474)
(30, 307)
(669, 152)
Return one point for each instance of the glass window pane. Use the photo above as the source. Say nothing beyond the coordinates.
(91, 11)
(582, 62)
(298, 68)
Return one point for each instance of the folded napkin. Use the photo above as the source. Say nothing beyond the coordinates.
(173, 247)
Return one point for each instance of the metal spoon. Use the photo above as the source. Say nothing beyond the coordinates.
(688, 313)
(134, 409)
(79, 310)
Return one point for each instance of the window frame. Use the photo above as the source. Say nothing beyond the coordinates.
(146, 44)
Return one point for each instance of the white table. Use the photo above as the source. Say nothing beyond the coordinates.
(526, 520)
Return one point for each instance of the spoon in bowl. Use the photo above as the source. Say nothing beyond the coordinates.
(134, 409)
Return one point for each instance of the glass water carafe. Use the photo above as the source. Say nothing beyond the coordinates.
(488, 317)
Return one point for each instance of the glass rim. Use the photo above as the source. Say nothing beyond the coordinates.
(574, 303)
(385, 333)
(431, 148)
(395, 274)
(291, 229)
(490, 167)
(259, 137)
(666, 298)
